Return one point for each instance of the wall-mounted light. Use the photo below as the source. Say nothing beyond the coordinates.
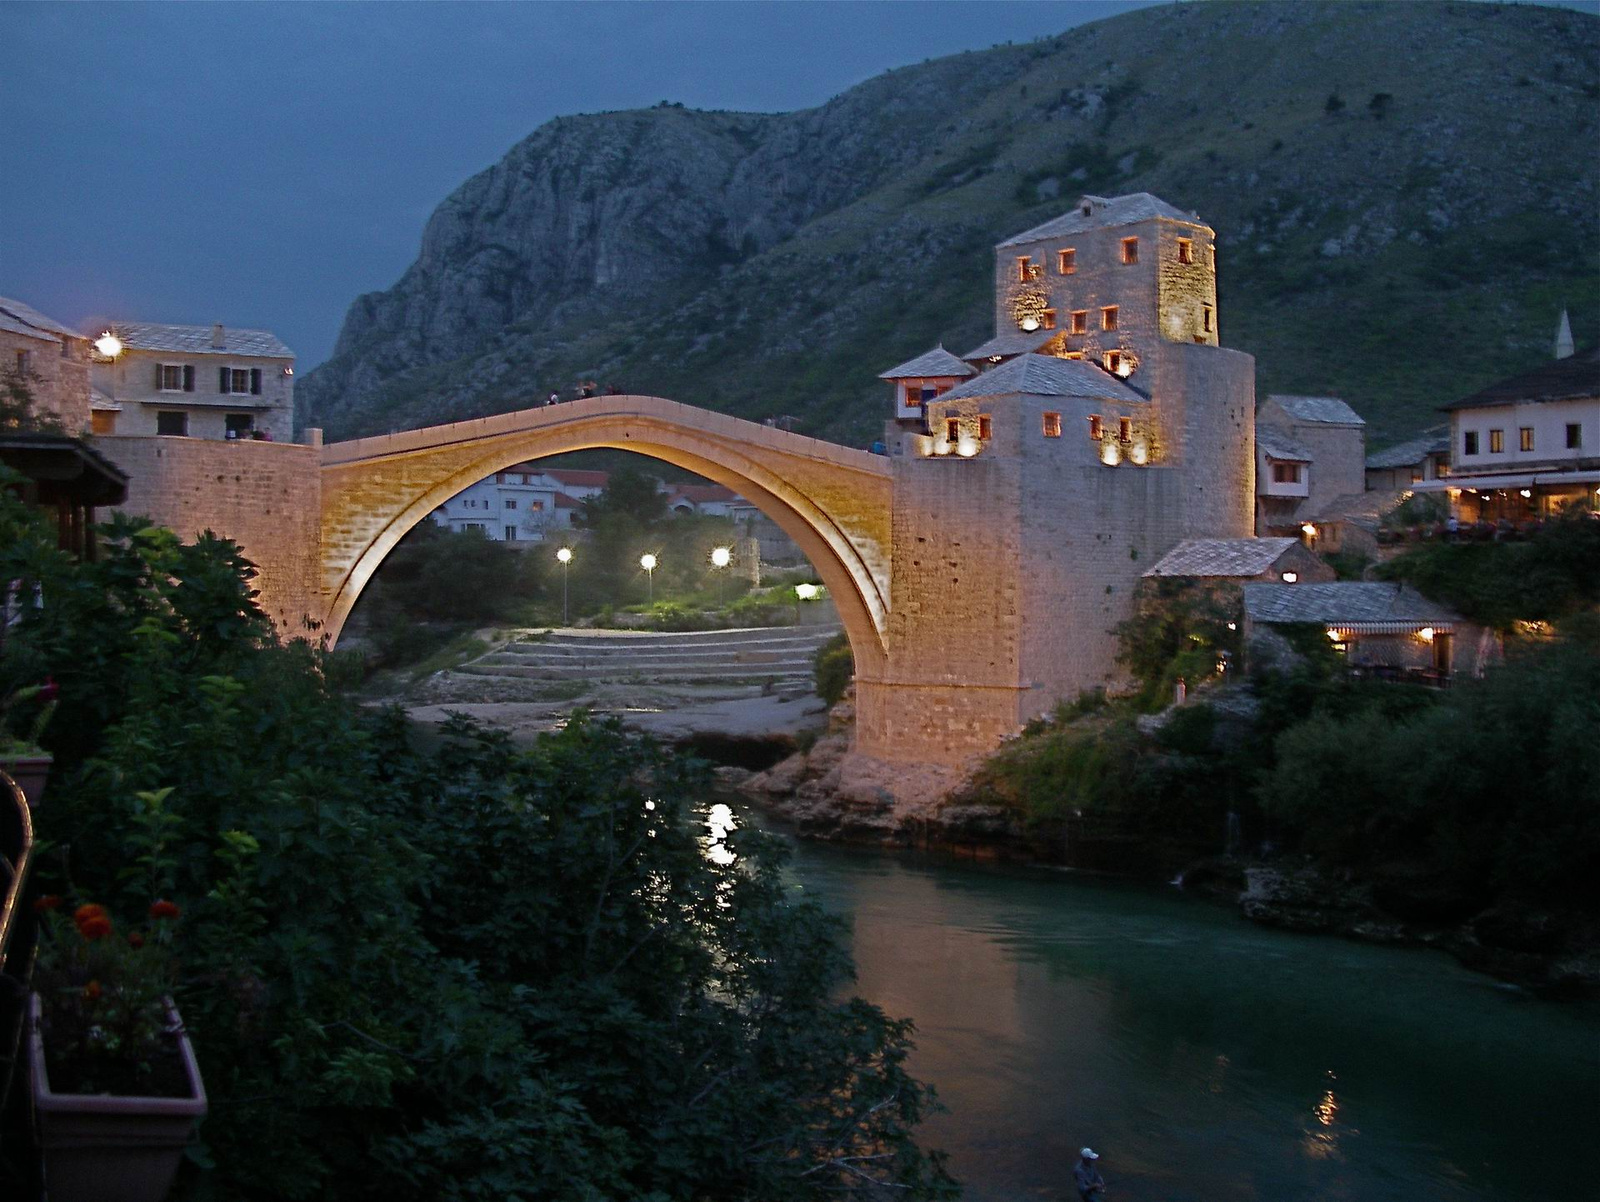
(1139, 452)
(1426, 634)
(108, 344)
(967, 446)
(288, 371)
(1307, 529)
(1290, 577)
(1029, 324)
(1527, 493)
(1110, 454)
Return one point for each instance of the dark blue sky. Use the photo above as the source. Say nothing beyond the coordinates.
(263, 164)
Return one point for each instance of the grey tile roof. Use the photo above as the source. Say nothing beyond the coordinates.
(12, 325)
(937, 362)
(1575, 377)
(1016, 343)
(1345, 602)
(1278, 445)
(1118, 210)
(1221, 557)
(1364, 509)
(28, 315)
(1415, 451)
(1045, 375)
(1327, 409)
(196, 340)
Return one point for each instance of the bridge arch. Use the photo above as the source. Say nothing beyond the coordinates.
(833, 501)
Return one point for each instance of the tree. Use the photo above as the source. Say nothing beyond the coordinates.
(19, 407)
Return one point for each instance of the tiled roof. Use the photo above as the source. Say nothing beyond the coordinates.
(1045, 375)
(196, 340)
(701, 493)
(1278, 445)
(1576, 376)
(563, 501)
(1329, 410)
(937, 362)
(1342, 603)
(1221, 557)
(12, 325)
(1415, 451)
(1362, 508)
(1010, 344)
(28, 315)
(1118, 210)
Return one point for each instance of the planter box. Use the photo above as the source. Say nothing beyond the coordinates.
(30, 772)
(97, 1147)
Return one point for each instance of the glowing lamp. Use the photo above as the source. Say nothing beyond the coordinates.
(806, 592)
(1307, 529)
(966, 447)
(1029, 324)
(1124, 368)
(1290, 577)
(1110, 455)
(1139, 452)
(564, 555)
(1333, 634)
(721, 557)
(108, 344)
(1526, 493)
(1426, 634)
(1233, 626)
(648, 562)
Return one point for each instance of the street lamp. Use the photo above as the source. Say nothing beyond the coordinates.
(648, 563)
(110, 346)
(721, 557)
(803, 592)
(565, 556)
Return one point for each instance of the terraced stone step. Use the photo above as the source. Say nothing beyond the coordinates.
(719, 672)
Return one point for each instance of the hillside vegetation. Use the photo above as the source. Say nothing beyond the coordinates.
(1405, 198)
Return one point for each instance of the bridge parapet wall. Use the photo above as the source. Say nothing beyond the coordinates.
(266, 496)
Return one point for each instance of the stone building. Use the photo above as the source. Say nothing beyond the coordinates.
(1109, 425)
(1311, 450)
(1426, 457)
(197, 382)
(51, 359)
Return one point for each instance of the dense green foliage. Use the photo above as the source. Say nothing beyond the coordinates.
(1177, 631)
(833, 668)
(466, 973)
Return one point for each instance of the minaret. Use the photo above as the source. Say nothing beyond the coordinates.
(1564, 337)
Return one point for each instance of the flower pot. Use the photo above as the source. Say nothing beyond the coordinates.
(30, 772)
(97, 1146)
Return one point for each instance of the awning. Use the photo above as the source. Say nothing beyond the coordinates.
(1437, 627)
(1518, 480)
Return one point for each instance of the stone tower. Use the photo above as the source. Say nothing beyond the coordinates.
(1107, 424)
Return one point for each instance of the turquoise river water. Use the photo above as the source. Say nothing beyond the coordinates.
(1206, 1058)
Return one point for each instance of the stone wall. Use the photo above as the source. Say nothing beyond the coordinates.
(59, 381)
(266, 496)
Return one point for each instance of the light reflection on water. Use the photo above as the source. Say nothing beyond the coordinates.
(1207, 1058)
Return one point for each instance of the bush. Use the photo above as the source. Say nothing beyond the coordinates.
(833, 668)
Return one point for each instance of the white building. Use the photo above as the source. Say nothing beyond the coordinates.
(195, 382)
(521, 504)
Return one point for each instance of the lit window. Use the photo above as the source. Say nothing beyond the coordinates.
(1027, 269)
(536, 506)
(952, 428)
(1130, 251)
(1574, 436)
(1185, 250)
(1205, 318)
(1080, 321)
(1052, 425)
(1124, 430)
(174, 424)
(1469, 443)
(1066, 261)
(1497, 442)
(103, 421)
(1094, 427)
(1048, 319)
(1112, 360)
(985, 427)
(1108, 317)
(1526, 436)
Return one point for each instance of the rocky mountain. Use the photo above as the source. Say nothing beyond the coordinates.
(1405, 197)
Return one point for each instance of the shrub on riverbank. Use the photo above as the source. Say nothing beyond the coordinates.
(833, 668)
(473, 973)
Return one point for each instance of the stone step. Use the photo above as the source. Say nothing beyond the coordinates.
(718, 672)
(637, 638)
(556, 655)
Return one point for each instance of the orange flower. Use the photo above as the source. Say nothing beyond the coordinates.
(96, 926)
(135, 939)
(91, 991)
(48, 902)
(164, 909)
(83, 913)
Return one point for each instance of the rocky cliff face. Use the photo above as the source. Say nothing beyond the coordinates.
(1403, 196)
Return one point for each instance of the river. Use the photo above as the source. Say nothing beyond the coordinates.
(1206, 1058)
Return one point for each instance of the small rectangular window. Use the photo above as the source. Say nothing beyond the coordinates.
(985, 427)
(537, 506)
(1469, 443)
(22, 363)
(511, 502)
(1286, 473)
(103, 421)
(1080, 321)
(1108, 317)
(1048, 319)
(1094, 427)
(175, 424)
(1130, 251)
(1066, 261)
(511, 534)
(1052, 425)
(238, 425)
(1112, 360)
(1574, 435)
(499, 477)
(1124, 430)
(169, 377)
(1525, 438)
(1027, 269)
(1205, 318)
(1497, 442)
(1185, 250)
(952, 428)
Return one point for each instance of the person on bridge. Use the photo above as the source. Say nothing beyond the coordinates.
(1087, 1177)
(554, 398)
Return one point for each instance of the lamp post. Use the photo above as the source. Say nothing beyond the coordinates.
(721, 557)
(648, 563)
(565, 556)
